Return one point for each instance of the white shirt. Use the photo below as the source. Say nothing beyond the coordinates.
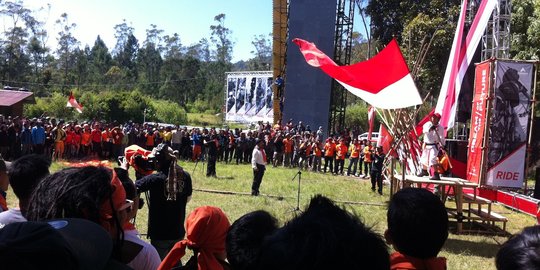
(12, 215)
(148, 257)
(430, 137)
(257, 157)
(176, 136)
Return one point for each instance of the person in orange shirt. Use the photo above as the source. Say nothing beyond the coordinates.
(288, 145)
(355, 150)
(367, 158)
(106, 139)
(149, 135)
(304, 153)
(77, 137)
(443, 164)
(341, 153)
(329, 152)
(86, 139)
(96, 141)
(317, 155)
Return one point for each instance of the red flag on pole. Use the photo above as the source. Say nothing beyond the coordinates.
(383, 81)
(72, 102)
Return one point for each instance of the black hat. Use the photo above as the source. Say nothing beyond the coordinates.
(56, 244)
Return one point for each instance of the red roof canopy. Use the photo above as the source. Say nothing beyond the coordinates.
(9, 97)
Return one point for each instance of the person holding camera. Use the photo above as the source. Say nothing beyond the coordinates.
(170, 190)
(433, 141)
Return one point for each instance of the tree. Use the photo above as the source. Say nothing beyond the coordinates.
(525, 23)
(262, 53)
(15, 67)
(99, 61)
(67, 44)
(125, 51)
(220, 38)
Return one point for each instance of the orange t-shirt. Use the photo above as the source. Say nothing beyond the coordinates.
(288, 143)
(355, 150)
(329, 149)
(341, 149)
(150, 139)
(367, 154)
(85, 138)
(317, 151)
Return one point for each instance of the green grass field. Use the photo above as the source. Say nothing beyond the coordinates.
(279, 197)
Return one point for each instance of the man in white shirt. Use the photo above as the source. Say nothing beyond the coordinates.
(433, 141)
(25, 174)
(258, 163)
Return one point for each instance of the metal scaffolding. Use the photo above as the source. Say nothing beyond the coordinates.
(280, 34)
(342, 56)
(496, 40)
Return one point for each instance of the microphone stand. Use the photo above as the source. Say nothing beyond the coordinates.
(299, 174)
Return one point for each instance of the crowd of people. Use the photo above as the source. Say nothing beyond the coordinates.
(289, 145)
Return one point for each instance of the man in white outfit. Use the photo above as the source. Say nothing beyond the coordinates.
(433, 141)
(258, 163)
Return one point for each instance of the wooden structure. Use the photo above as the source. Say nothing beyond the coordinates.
(468, 206)
(12, 102)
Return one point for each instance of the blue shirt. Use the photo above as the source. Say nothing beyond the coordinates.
(38, 135)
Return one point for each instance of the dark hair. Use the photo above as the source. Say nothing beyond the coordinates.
(127, 183)
(324, 237)
(413, 212)
(71, 193)
(25, 173)
(522, 251)
(245, 238)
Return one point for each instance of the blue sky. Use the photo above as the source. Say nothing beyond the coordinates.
(191, 19)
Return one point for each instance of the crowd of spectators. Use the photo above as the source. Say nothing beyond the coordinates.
(289, 145)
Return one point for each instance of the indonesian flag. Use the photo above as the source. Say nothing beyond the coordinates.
(383, 81)
(371, 119)
(73, 103)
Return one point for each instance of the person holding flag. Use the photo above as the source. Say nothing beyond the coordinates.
(258, 163)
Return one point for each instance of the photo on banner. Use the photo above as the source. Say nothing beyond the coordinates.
(511, 110)
(252, 100)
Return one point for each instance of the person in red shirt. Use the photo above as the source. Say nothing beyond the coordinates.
(329, 152)
(117, 135)
(76, 141)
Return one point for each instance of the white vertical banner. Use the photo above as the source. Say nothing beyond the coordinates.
(511, 111)
(249, 97)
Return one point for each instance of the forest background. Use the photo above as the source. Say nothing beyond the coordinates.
(161, 79)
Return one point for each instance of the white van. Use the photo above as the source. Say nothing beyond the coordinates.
(364, 136)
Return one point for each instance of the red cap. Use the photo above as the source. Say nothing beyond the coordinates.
(438, 115)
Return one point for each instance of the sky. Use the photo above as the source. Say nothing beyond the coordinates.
(191, 19)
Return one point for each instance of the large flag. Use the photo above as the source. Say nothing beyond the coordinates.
(383, 81)
(72, 102)
(460, 59)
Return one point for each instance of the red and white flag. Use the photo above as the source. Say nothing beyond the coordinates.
(383, 81)
(72, 102)
(460, 59)
(371, 120)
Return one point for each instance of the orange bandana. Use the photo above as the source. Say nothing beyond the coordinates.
(206, 229)
(118, 198)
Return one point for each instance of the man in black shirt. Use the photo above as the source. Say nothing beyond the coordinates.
(169, 194)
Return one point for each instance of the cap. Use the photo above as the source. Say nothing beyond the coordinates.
(438, 115)
(56, 244)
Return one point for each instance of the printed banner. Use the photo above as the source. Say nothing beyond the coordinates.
(249, 97)
(478, 121)
(510, 124)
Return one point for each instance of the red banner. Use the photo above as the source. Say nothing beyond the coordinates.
(478, 121)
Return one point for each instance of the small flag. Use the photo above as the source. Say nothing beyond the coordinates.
(72, 102)
(383, 81)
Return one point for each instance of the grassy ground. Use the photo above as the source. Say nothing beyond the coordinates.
(279, 197)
